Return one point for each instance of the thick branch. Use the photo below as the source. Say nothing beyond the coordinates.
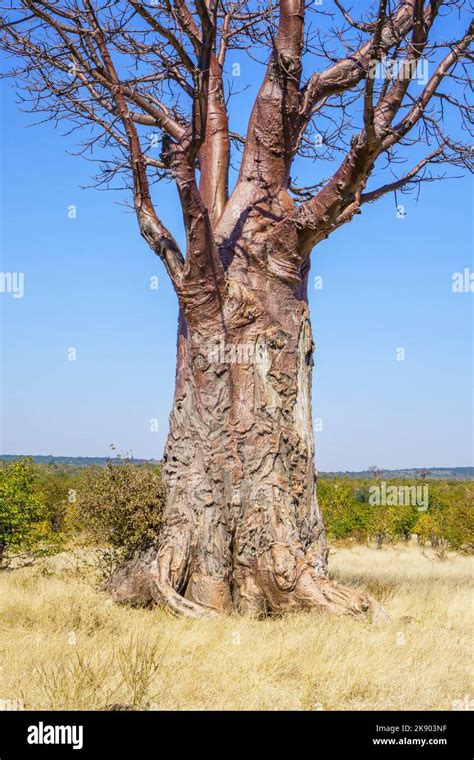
(271, 132)
(341, 197)
(214, 155)
(348, 72)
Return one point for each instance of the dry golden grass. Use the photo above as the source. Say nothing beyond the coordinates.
(63, 645)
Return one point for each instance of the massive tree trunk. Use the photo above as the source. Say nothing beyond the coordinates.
(242, 525)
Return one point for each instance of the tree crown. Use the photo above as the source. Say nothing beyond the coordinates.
(346, 93)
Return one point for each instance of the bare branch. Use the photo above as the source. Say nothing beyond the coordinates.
(412, 176)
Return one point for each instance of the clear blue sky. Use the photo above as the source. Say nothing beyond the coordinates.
(386, 284)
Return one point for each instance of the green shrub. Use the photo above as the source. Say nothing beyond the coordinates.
(120, 505)
(345, 513)
(59, 490)
(24, 526)
(449, 521)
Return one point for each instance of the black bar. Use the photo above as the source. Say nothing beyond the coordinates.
(158, 734)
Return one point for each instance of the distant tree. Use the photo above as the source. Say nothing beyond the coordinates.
(380, 525)
(23, 515)
(376, 471)
(403, 520)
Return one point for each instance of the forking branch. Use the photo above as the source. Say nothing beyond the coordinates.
(127, 67)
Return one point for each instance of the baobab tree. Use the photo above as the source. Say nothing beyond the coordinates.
(242, 526)
(376, 471)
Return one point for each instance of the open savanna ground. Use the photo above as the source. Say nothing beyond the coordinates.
(64, 645)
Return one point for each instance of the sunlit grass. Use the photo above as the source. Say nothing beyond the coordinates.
(63, 645)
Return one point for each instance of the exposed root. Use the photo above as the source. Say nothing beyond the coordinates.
(289, 582)
(299, 587)
(167, 597)
(137, 582)
(277, 587)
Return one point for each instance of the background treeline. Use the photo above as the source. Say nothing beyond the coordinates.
(118, 507)
(67, 464)
(445, 522)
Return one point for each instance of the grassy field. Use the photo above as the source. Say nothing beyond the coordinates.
(63, 645)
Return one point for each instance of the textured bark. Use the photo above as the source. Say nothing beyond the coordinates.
(242, 526)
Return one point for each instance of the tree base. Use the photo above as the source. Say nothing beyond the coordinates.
(145, 581)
